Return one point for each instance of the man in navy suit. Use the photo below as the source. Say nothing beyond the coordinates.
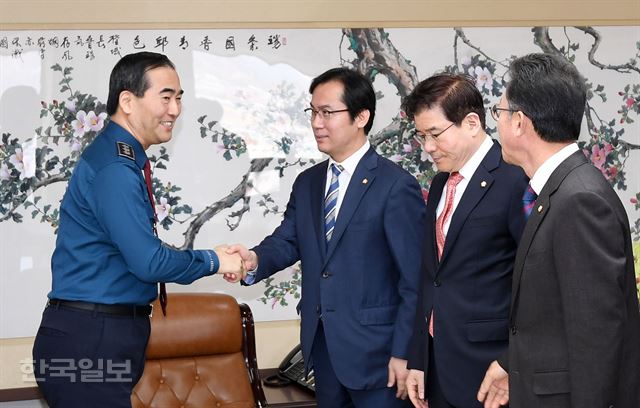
(356, 223)
(473, 224)
(575, 325)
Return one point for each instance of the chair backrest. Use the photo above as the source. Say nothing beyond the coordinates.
(201, 354)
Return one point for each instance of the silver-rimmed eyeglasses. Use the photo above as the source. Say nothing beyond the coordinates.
(495, 111)
(325, 114)
(422, 137)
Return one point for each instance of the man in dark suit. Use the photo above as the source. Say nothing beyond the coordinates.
(474, 220)
(575, 324)
(356, 222)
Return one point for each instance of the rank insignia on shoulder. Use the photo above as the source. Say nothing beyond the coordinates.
(125, 150)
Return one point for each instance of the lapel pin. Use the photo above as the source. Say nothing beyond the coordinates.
(540, 208)
(365, 181)
(483, 184)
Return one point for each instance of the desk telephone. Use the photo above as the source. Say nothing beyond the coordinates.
(291, 370)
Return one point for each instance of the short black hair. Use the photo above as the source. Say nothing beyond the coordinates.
(129, 74)
(358, 92)
(457, 96)
(550, 91)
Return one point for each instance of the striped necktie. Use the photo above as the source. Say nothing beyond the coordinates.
(330, 202)
(528, 201)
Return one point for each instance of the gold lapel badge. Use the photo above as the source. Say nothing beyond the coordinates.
(483, 184)
(365, 181)
(540, 208)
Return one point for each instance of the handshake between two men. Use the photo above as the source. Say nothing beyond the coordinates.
(235, 261)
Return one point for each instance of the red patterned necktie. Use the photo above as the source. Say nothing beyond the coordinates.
(452, 182)
(147, 179)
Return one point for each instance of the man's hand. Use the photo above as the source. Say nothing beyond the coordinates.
(398, 376)
(230, 263)
(415, 388)
(249, 259)
(494, 390)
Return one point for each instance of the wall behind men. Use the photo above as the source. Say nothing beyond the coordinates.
(255, 96)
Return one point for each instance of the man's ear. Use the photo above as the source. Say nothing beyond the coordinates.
(362, 118)
(520, 122)
(125, 101)
(472, 123)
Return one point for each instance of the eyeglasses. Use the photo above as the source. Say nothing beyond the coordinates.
(423, 137)
(495, 111)
(325, 114)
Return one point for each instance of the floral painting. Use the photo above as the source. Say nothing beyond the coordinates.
(244, 137)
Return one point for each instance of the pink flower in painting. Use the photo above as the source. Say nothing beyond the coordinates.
(483, 77)
(94, 122)
(78, 125)
(634, 200)
(17, 159)
(630, 102)
(396, 158)
(407, 148)
(613, 172)
(71, 106)
(24, 161)
(599, 155)
(5, 174)
(163, 209)
(75, 145)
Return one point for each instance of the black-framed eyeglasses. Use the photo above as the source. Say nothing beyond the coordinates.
(423, 137)
(495, 111)
(325, 114)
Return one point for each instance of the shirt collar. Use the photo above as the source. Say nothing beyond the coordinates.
(541, 176)
(350, 163)
(472, 164)
(119, 134)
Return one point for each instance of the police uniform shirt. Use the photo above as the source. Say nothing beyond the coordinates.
(106, 251)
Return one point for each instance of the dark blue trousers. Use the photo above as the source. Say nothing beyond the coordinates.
(88, 359)
(330, 393)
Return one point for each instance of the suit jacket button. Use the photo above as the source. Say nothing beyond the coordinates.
(436, 283)
(514, 330)
(325, 274)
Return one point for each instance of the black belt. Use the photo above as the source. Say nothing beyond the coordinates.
(117, 310)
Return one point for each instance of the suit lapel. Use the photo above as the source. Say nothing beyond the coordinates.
(540, 211)
(365, 170)
(431, 248)
(318, 185)
(477, 187)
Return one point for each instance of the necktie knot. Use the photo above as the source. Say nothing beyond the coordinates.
(528, 200)
(454, 179)
(336, 169)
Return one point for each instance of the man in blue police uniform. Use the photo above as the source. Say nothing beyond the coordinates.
(90, 347)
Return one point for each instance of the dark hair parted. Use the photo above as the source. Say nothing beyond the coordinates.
(129, 74)
(358, 92)
(550, 91)
(455, 94)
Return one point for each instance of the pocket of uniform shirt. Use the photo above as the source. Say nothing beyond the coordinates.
(551, 382)
(50, 331)
(488, 330)
(378, 315)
